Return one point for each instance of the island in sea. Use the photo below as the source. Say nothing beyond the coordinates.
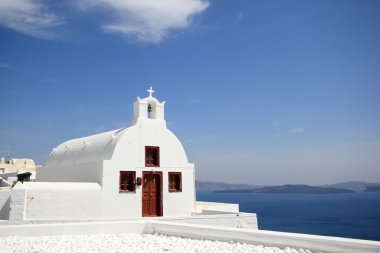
(346, 187)
(291, 188)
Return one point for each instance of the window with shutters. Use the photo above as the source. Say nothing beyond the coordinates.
(175, 182)
(152, 156)
(127, 181)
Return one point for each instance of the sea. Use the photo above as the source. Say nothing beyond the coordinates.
(350, 215)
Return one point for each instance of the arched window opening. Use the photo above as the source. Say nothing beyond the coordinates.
(149, 111)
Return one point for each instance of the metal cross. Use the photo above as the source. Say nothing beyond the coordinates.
(150, 91)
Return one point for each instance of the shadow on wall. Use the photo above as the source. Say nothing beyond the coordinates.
(5, 202)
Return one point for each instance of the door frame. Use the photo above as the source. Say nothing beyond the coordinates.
(159, 195)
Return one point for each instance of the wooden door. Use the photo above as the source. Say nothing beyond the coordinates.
(151, 195)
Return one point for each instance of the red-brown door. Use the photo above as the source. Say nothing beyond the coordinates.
(151, 195)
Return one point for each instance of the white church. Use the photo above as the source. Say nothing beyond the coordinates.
(138, 171)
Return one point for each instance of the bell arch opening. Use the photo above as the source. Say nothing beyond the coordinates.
(151, 110)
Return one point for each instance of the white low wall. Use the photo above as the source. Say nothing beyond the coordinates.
(202, 206)
(257, 237)
(221, 219)
(55, 201)
(316, 243)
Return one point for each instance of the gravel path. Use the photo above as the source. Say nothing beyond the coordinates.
(129, 243)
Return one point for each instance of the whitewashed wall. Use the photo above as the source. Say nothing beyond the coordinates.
(204, 207)
(5, 195)
(221, 219)
(129, 155)
(179, 203)
(55, 201)
(129, 205)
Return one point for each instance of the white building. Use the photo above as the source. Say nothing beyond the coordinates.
(138, 171)
(15, 165)
(11, 168)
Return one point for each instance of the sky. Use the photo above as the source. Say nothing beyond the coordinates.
(260, 91)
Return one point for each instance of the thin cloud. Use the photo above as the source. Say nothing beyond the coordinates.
(298, 130)
(275, 123)
(28, 17)
(149, 21)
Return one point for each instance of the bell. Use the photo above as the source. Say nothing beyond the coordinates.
(149, 108)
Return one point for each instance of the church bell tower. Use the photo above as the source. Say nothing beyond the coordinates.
(148, 108)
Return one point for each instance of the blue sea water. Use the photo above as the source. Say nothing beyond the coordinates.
(351, 215)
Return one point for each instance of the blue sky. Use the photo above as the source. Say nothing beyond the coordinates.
(261, 92)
